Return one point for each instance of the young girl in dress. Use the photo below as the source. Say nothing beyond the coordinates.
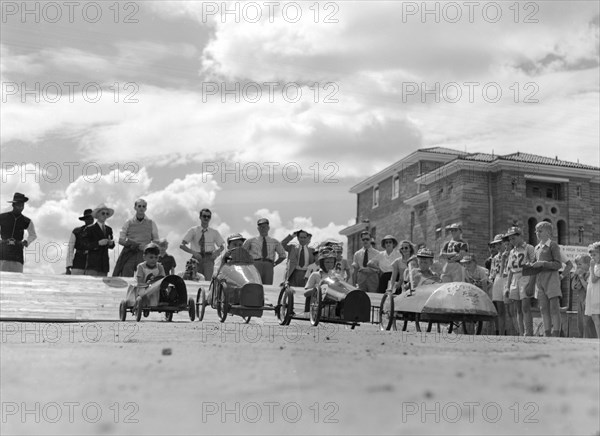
(592, 299)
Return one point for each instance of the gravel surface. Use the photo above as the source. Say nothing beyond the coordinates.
(184, 377)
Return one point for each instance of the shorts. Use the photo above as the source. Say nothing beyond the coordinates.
(548, 284)
(517, 287)
(498, 288)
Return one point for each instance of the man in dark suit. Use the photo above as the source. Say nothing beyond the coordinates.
(98, 239)
(13, 226)
(299, 258)
(76, 253)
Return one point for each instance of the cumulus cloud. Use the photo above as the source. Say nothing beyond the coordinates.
(174, 208)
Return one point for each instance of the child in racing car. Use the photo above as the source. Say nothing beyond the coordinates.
(150, 269)
(327, 260)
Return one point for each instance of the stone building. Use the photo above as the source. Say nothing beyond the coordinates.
(421, 194)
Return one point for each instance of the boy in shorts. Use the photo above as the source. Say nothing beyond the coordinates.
(547, 283)
(579, 282)
(498, 281)
(516, 283)
(149, 269)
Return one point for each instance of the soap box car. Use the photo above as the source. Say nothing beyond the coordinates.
(164, 294)
(455, 302)
(236, 289)
(332, 301)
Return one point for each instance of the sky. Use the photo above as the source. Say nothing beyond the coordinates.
(274, 109)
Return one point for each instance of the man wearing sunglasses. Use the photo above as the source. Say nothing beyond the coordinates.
(97, 240)
(267, 252)
(136, 233)
(365, 277)
(206, 244)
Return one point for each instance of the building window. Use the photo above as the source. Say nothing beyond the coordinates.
(513, 184)
(375, 196)
(561, 228)
(396, 186)
(450, 189)
(580, 234)
(578, 191)
(531, 223)
(549, 191)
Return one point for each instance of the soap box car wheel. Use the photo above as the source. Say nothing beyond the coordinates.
(123, 310)
(169, 316)
(285, 306)
(246, 319)
(146, 313)
(387, 319)
(201, 303)
(192, 309)
(222, 303)
(315, 307)
(138, 309)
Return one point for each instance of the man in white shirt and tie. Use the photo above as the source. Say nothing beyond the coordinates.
(300, 257)
(365, 277)
(263, 250)
(205, 242)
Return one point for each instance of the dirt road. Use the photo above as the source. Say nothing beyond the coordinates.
(155, 377)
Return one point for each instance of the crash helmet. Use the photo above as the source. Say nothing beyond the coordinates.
(324, 254)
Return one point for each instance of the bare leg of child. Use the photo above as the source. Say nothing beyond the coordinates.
(527, 317)
(581, 321)
(511, 321)
(500, 318)
(596, 319)
(519, 312)
(545, 311)
(555, 315)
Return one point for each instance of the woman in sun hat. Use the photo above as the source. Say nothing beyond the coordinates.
(402, 264)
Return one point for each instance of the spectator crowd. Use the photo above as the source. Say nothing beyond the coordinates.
(515, 275)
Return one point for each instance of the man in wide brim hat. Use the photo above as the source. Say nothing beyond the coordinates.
(102, 207)
(76, 252)
(13, 225)
(18, 198)
(98, 239)
(87, 214)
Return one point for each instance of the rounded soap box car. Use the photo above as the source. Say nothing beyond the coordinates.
(166, 295)
(236, 289)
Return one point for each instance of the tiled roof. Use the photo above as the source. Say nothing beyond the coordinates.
(534, 158)
(525, 158)
(443, 150)
(481, 157)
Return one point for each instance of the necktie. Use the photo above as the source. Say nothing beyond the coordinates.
(103, 230)
(265, 253)
(366, 258)
(301, 261)
(202, 249)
